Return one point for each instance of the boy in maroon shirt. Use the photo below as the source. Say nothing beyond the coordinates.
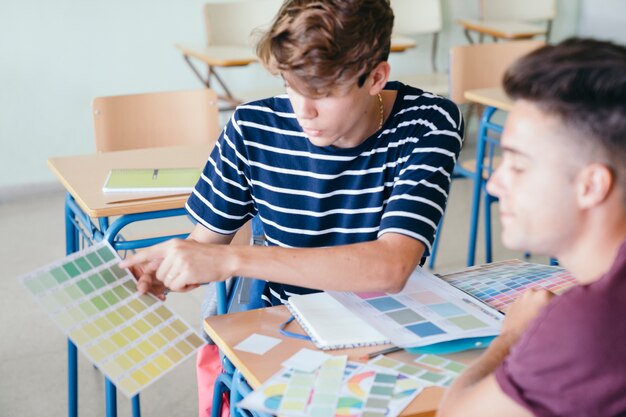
(562, 192)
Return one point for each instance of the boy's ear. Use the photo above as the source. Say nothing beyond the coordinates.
(594, 184)
(379, 77)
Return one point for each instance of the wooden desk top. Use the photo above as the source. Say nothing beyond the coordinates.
(503, 29)
(234, 56)
(83, 177)
(494, 97)
(228, 330)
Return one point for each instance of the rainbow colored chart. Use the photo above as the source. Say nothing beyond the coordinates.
(360, 391)
(134, 339)
(427, 311)
(499, 284)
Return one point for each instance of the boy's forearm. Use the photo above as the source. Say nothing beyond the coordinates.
(369, 266)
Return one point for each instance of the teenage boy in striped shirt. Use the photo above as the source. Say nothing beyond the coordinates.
(349, 173)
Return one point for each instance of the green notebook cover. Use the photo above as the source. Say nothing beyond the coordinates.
(151, 180)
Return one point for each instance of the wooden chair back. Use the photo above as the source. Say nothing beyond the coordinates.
(483, 65)
(155, 119)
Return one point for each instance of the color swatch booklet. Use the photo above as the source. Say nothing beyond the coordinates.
(133, 338)
(427, 311)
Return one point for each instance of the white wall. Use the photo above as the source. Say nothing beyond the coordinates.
(604, 19)
(56, 56)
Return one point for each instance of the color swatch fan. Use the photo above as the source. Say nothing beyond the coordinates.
(134, 339)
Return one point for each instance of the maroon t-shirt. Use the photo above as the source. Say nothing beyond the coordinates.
(572, 360)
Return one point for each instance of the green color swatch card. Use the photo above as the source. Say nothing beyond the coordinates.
(134, 339)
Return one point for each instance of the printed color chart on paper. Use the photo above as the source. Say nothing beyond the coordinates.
(428, 310)
(134, 339)
(500, 283)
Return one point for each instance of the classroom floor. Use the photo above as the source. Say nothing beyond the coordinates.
(33, 350)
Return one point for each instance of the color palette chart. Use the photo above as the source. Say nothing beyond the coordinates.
(134, 339)
(427, 311)
(500, 283)
(337, 389)
(426, 375)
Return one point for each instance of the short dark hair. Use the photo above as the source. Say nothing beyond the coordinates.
(324, 44)
(583, 83)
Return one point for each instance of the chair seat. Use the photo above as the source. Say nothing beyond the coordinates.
(433, 82)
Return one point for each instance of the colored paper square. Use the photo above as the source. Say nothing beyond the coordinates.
(34, 285)
(468, 322)
(135, 355)
(119, 340)
(71, 269)
(146, 347)
(85, 286)
(432, 360)
(385, 304)
(386, 390)
(50, 303)
(152, 319)
(455, 367)
(141, 326)
(107, 276)
(62, 297)
(125, 312)
(140, 377)
(184, 347)
(110, 298)
(112, 369)
(73, 292)
(96, 281)
(108, 346)
(151, 370)
(162, 362)
(130, 333)
(163, 312)
(106, 254)
(99, 303)
(128, 384)
(79, 337)
(405, 316)
(121, 292)
(447, 309)
(95, 353)
(94, 259)
(136, 305)
(173, 354)
(91, 330)
(178, 326)
(157, 340)
(131, 285)
(385, 378)
(425, 329)
(432, 377)
(77, 313)
(426, 297)
(409, 370)
(377, 403)
(65, 319)
(148, 300)
(369, 413)
(117, 271)
(124, 362)
(195, 340)
(103, 324)
(115, 318)
(385, 362)
(169, 333)
(59, 275)
(82, 264)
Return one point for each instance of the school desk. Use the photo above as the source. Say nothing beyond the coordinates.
(493, 99)
(500, 29)
(87, 212)
(228, 330)
(239, 56)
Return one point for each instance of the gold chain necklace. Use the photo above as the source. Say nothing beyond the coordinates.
(381, 110)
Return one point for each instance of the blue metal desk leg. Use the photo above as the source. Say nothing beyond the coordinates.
(111, 398)
(71, 246)
(136, 406)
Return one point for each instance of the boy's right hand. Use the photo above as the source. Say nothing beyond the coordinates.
(146, 280)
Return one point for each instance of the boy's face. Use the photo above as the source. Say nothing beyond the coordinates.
(343, 119)
(536, 182)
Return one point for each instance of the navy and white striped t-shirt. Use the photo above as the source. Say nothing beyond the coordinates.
(396, 181)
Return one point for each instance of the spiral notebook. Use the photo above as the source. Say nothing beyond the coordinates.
(331, 325)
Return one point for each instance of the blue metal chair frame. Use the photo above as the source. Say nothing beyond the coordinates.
(78, 225)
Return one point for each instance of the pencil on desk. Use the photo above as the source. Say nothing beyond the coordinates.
(382, 352)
